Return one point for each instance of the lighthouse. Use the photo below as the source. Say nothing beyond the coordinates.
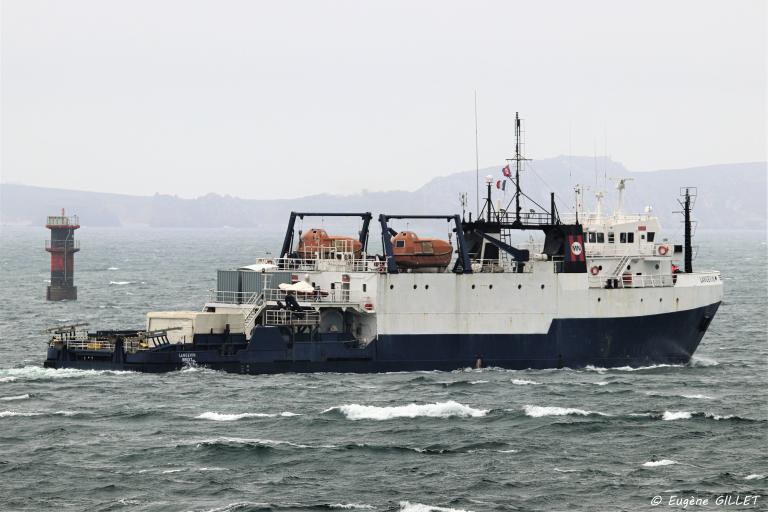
(62, 247)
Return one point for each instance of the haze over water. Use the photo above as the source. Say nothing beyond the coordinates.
(590, 439)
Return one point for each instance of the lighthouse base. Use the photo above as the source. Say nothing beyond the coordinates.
(58, 293)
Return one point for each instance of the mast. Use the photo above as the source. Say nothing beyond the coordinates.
(519, 159)
(517, 167)
(687, 224)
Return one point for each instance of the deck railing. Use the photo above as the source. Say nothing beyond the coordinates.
(632, 281)
(336, 261)
(60, 245)
(289, 317)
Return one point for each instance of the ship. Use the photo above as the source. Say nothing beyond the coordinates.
(600, 289)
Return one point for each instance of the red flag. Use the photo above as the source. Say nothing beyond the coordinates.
(506, 171)
(498, 184)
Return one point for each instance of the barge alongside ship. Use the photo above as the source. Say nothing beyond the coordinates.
(600, 290)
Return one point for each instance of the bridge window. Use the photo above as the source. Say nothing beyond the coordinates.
(591, 238)
(365, 287)
(600, 238)
(651, 234)
(630, 238)
(622, 238)
(610, 237)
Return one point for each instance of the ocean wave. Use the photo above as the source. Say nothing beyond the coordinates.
(435, 410)
(407, 506)
(34, 373)
(113, 268)
(11, 398)
(601, 383)
(600, 369)
(676, 415)
(523, 382)
(697, 397)
(350, 506)
(224, 441)
(216, 416)
(536, 411)
(702, 362)
(754, 476)
(662, 462)
(7, 379)
(7, 414)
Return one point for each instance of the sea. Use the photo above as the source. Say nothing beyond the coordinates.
(593, 439)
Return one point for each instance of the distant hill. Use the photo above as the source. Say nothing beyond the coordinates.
(731, 196)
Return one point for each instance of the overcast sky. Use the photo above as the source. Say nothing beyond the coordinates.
(286, 98)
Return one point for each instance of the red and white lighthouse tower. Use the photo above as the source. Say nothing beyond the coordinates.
(62, 247)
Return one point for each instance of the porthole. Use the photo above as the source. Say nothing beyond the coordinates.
(426, 287)
(473, 287)
(660, 299)
(598, 299)
(657, 266)
(415, 286)
(599, 267)
(629, 267)
(641, 300)
(519, 286)
(542, 287)
(391, 287)
(490, 287)
(677, 299)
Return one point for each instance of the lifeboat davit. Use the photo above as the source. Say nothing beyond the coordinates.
(318, 243)
(413, 252)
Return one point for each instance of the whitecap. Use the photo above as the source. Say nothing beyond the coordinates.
(536, 411)
(675, 415)
(40, 373)
(662, 462)
(600, 369)
(702, 362)
(349, 506)
(7, 379)
(250, 441)
(719, 417)
(566, 470)
(216, 416)
(601, 383)
(478, 382)
(173, 471)
(523, 382)
(436, 410)
(119, 283)
(6, 414)
(407, 506)
(754, 476)
(11, 398)
(697, 397)
(113, 268)
(507, 451)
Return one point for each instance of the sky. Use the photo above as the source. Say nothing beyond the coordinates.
(273, 99)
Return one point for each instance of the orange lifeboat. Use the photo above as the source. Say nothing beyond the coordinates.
(413, 252)
(317, 243)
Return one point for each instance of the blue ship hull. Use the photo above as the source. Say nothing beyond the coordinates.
(669, 338)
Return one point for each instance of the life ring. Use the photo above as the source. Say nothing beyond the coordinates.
(594, 270)
(663, 250)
